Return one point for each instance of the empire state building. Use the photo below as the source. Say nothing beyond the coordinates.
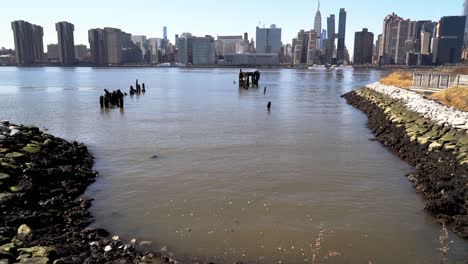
(318, 26)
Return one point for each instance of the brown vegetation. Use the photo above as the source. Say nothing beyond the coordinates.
(457, 70)
(399, 79)
(456, 97)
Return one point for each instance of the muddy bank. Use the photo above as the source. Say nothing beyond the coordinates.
(43, 220)
(439, 153)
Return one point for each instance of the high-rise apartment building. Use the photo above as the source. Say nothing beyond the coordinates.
(363, 47)
(388, 43)
(448, 41)
(113, 45)
(141, 42)
(268, 40)
(184, 45)
(66, 43)
(29, 46)
(340, 52)
(203, 51)
(153, 47)
(231, 44)
(402, 36)
(312, 48)
(96, 46)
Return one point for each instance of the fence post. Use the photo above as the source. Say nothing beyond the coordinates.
(458, 81)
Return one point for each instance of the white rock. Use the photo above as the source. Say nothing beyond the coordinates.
(107, 248)
(15, 132)
(133, 241)
(2, 137)
(430, 109)
(116, 238)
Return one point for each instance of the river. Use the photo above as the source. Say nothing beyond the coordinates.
(233, 181)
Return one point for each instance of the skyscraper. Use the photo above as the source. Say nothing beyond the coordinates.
(330, 45)
(340, 53)
(113, 45)
(203, 50)
(165, 32)
(268, 40)
(311, 48)
(363, 47)
(66, 42)
(29, 46)
(388, 43)
(448, 42)
(318, 26)
(96, 46)
(403, 33)
(141, 42)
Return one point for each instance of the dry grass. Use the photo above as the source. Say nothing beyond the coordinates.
(456, 97)
(458, 70)
(398, 79)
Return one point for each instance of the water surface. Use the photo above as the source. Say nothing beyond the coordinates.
(234, 181)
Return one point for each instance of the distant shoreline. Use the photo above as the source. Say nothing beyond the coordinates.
(217, 66)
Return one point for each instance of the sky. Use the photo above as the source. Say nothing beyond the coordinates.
(211, 17)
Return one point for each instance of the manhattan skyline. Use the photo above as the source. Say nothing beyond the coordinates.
(208, 17)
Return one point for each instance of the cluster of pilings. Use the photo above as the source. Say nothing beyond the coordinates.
(139, 88)
(112, 99)
(247, 78)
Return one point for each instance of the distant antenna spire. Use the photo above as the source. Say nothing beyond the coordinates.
(318, 8)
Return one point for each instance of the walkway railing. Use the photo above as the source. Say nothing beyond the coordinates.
(438, 81)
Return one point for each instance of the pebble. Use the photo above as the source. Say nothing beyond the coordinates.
(116, 238)
(430, 109)
(15, 132)
(107, 248)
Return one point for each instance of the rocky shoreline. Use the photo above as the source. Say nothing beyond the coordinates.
(43, 219)
(437, 147)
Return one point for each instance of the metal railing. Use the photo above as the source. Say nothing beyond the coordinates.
(438, 80)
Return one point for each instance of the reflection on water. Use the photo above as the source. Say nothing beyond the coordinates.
(234, 181)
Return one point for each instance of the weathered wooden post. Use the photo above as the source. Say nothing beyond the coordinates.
(101, 101)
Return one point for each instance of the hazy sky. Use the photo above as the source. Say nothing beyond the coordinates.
(210, 17)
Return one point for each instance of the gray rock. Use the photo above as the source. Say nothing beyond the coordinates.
(5, 261)
(4, 176)
(4, 129)
(6, 197)
(41, 260)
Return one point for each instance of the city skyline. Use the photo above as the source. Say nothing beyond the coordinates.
(215, 21)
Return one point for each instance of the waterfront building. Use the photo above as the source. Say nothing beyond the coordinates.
(388, 43)
(363, 47)
(318, 27)
(425, 42)
(130, 52)
(402, 35)
(448, 40)
(231, 44)
(141, 42)
(153, 46)
(268, 40)
(113, 45)
(184, 45)
(81, 53)
(340, 52)
(251, 59)
(311, 48)
(203, 50)
(96, 46)
(29, 46)
(300, 47)
(52, 53)
(66, 43)
(330, 43)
